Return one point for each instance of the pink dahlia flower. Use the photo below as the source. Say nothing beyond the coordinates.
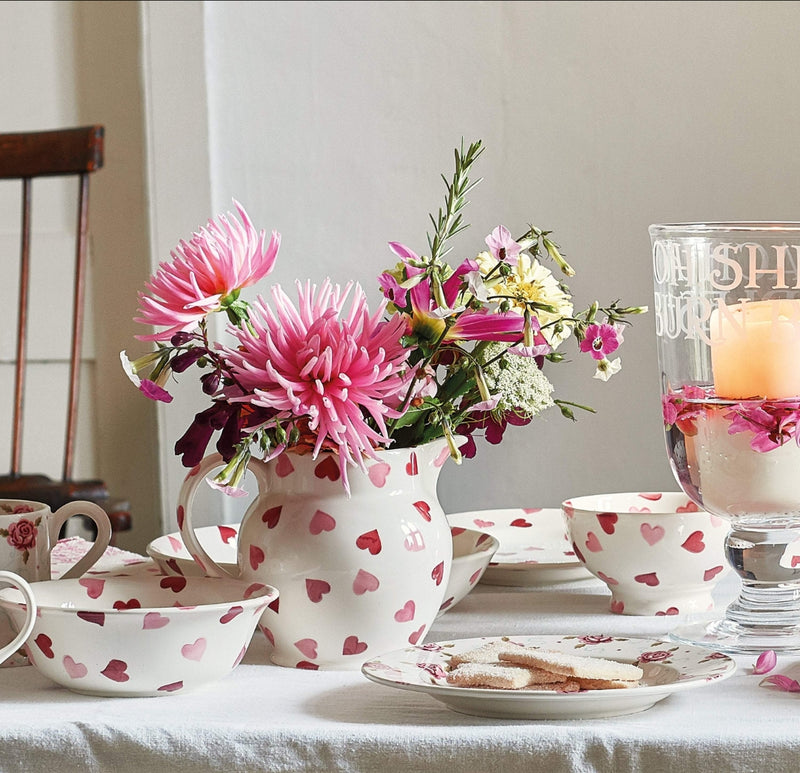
(219, 260)
(319, 363)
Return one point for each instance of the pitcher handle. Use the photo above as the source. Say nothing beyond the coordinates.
(101, 521)
(30, 613)
(185, 498)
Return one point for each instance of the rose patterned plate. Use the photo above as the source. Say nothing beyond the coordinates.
(668, 668)
(534, 548)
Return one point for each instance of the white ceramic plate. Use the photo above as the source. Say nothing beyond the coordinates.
(534, 548)
(668, 668)
(472, 551)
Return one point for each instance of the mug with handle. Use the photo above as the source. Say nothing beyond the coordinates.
(30, 531)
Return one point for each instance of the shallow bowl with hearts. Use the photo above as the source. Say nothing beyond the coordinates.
(658, 553)
(139, 636)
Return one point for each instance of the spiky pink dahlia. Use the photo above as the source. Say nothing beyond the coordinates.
(324, 365)
(219, 260)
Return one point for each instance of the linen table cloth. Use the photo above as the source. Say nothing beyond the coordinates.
(268, 718)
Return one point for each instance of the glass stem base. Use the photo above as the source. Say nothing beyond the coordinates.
(766, 615)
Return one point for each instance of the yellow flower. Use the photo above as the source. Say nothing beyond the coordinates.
(529, 281)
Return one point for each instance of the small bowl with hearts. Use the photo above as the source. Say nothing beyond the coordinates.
(139, 636)
(658, 553)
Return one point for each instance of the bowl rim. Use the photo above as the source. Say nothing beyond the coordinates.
(656, 506)
(264, 594)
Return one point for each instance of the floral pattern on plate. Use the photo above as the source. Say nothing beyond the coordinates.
(534, 548)
(668, 668)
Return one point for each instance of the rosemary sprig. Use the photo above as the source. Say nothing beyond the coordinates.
(448, 222)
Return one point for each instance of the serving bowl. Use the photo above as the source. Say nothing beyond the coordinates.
(139, 636)
(658, 553)
(472, 552)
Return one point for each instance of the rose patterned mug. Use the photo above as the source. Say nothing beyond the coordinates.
(28, 532)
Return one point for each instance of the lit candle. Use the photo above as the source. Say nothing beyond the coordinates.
(755, 349)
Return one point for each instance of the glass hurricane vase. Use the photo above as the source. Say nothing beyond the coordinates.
(727, 312)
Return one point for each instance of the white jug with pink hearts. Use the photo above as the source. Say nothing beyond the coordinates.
(358, 576)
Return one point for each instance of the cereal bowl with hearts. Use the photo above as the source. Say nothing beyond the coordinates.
(658, 553)
(141, 635)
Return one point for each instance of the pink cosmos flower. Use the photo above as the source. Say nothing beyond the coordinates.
(318, 362)
(502, 245)
(601, 340)
(219, 260)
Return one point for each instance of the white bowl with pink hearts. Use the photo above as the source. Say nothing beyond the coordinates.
(139, 636)
(658, 553)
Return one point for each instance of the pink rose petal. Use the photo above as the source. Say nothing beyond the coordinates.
(766, 662)
(782, 683)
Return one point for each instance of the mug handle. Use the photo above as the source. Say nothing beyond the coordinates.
(101, 521)
(192, 480)
(30, 613)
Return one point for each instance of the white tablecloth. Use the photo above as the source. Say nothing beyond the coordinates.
(267, 718)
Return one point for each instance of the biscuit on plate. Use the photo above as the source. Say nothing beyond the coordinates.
(486, 653)
(505, 676)
(570, 665)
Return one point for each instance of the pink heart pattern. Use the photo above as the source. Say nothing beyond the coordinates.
(652, 534)
(272, 516)
(226, 533)
(307, 647)
(650, 579)
(417, 635)
(256, 556)
(694, 542)
(379, 473)
(320, 522)
(195, 650)
(365, 583)
(592, 543)
(231, 614)
(116, 671)
(98, 618)
(154, 620)
(607, 522)
(352, 646)
(284, 466)
(710, 574)
(45, 644)
(94, 587)
(406, 614)
(74, 670)
(370, 541)
(316, 589)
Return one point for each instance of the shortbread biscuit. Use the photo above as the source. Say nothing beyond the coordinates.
(504, 676)
(571, 665)
(570, 685)
(606, 684)
(487, 653)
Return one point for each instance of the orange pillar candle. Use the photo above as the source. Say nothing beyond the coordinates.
(755, 349)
